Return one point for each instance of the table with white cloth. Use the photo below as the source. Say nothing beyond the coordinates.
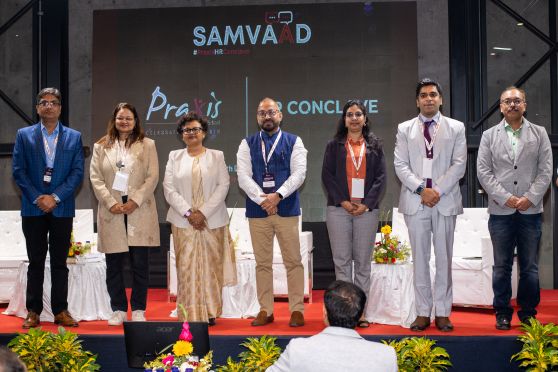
(241, 300)
(88, 298)
(391, 299)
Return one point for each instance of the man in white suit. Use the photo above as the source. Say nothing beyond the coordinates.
(338, 347)
(430, 158)
(514, 166)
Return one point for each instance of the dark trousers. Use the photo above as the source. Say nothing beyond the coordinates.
(524, 232)
(115, 279)
(42, 234)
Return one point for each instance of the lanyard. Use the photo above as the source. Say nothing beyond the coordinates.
(266, 160)
(430, 145)
(50, 152)
(122, 154)
(357, 166)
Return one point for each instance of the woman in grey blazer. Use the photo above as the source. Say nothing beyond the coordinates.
(354, 177)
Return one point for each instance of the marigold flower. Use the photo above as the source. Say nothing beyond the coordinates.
(182, 348)
(386, 229)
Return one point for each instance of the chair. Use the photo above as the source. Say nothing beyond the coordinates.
(13, 250)
(472, 258)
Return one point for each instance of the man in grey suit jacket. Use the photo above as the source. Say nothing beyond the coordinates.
(514, 166)
(430, 158)
(338, 347)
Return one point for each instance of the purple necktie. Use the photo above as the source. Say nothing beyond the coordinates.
(429, 153)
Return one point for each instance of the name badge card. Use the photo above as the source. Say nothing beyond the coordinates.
(268, 184)
(426, 168)
(121, 182)
(47, 175)
(357, 189)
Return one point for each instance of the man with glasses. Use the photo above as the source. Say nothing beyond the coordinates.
(430, 158)
(48, 168)
(514, 166)
(271, 166)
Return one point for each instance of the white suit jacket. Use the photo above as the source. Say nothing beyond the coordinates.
(335, 349)
(177, 186)
(448, 164)
(528, 175)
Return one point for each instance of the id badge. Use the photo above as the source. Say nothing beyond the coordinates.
(121, 181)
(426, 168)
(47, 176)
(357, 189)
(268, 184)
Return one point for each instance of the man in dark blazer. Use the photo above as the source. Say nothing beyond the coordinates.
(48, 168)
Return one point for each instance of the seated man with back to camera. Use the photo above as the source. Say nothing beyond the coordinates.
(338, 347)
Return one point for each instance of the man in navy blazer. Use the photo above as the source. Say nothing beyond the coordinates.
(48, 168)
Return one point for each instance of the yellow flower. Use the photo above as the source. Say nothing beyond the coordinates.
(386, 229)
(182, 348)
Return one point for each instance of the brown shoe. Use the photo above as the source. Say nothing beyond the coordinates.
(65, 319)
(33, 320)
(297, 319)
(420, 323)
(262, 319)
(443, 324)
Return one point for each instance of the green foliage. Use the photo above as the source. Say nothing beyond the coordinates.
(540, 346)
(45, 351)
(261, 353)
(419, 354)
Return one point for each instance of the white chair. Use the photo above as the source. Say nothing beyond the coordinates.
(472, 258)
(13, 250)
(240, 232)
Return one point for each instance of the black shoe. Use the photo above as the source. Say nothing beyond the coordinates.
(503, 323)
(526, 319)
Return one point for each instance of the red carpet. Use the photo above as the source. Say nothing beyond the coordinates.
(467, 321)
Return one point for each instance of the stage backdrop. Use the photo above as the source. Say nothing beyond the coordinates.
(221, 61)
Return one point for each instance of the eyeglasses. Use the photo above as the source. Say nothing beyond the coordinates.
(357, 115)
(195, 130)
(431, 95)
(122, 118)
(515, 101)
(49, 103)
(271, 113)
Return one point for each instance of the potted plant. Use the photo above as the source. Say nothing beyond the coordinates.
(419, 354)
(262, 352)
(540, 346)
(46, 351)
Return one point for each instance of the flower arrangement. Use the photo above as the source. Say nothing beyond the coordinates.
(181, 359)
(78, 248)
(390, 250)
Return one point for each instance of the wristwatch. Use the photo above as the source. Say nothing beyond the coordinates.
(188, 213)
(279, 195)
(419, 190)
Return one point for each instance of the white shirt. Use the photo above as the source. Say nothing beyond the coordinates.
(335, 349)
(252, 189)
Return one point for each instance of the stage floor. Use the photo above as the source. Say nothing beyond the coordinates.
(467, 321)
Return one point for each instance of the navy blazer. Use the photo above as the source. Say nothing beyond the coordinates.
(334, 173)
(29, 163)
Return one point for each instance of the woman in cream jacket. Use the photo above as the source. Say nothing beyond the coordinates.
(196, 185)
(124, 172)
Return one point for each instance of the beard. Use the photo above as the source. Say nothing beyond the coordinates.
(269, 126)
